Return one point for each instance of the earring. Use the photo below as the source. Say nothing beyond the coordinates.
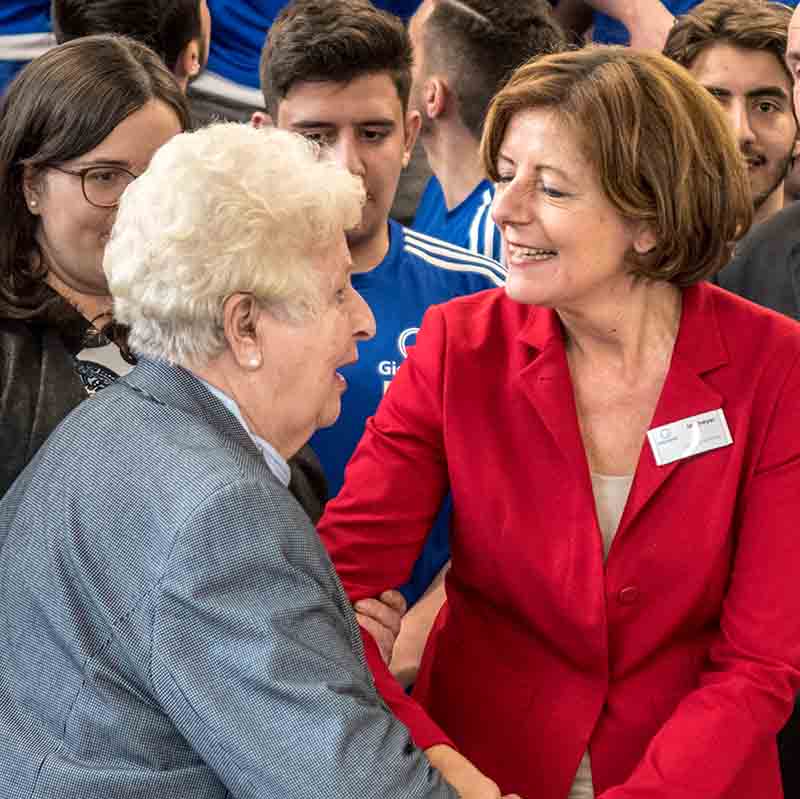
(255, 363)
(34, 203)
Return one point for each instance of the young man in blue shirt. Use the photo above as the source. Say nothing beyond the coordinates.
(340, 73)
(463, 51)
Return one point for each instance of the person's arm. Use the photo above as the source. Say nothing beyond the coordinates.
(647, 21)
(255, 657)
(748, 687)
(401, 635)
(414, 630)
(394, 485)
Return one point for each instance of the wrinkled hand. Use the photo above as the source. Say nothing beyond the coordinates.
(459, 772)
(381, 618)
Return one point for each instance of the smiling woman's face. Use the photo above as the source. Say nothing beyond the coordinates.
(564, 243)
(71, 233)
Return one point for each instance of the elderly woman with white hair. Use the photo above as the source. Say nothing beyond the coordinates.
(172, 625)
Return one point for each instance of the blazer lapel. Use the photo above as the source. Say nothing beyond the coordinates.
(699, 349)
(546, 381)
(547, 384)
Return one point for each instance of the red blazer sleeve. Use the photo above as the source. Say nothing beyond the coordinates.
(752, 674)
(394, 485)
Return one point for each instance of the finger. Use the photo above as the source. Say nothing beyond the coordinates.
(395, 600)
(381, 613)
(383, 638)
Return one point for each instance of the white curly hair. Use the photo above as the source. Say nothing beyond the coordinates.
(228, 208)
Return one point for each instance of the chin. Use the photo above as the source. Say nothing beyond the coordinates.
(522, 293)
(330, 413)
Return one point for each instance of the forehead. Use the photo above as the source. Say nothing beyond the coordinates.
(363, 99)
(134, 141)
(537, 138)
(739, 70)
(333, 260)
(794, 34)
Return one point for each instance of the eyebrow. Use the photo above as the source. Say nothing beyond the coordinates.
(761, 91)
(105, 162)
(309, 124)
(539, 167)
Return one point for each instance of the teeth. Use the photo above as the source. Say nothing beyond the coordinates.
(531, 252)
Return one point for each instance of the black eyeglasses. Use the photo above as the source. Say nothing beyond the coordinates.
(102, 185)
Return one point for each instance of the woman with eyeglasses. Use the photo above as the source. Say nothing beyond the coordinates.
(76, 127)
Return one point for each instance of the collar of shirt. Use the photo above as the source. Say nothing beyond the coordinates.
(276, 463)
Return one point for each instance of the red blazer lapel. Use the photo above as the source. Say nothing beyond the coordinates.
(699, 349)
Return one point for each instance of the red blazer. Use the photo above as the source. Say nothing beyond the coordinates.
(677, 660)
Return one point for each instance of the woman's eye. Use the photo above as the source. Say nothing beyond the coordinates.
(551, 192)
(108, 176)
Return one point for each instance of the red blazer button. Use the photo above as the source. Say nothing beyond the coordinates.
(628, 595)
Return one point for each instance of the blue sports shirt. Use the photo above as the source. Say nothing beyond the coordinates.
(469, 224)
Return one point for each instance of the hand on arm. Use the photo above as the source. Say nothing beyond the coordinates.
(382, 619)
(414, 630)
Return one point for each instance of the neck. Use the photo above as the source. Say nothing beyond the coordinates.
(96, 308)
(453, 156)
(633, 327)
(369, 252)
(242, 386)
(770, 206)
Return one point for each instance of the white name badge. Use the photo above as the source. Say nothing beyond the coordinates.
(689, 436)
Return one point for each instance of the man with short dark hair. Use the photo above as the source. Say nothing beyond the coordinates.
(340, 72)
(178, 30)
(463, 52)
(735, 48)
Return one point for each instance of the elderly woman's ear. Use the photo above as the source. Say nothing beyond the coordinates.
(240, 319)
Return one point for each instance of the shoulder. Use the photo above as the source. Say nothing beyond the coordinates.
(766, 266)
(487, 320)
(429, 253)
(752, 332)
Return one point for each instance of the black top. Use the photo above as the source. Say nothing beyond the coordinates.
(766, 267)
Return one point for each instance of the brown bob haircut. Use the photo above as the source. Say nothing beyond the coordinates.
(660, 144)
(334, 41)
(749, 24)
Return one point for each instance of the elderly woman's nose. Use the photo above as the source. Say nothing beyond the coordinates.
(363, 319)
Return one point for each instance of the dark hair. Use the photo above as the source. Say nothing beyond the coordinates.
(333, 40)
(166, 26)
(60, 106)
(662, 147)
(477, 44)
(749, 24)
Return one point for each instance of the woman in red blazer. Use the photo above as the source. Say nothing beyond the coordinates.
(622, 445)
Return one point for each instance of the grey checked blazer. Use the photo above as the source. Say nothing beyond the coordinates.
(170, 624)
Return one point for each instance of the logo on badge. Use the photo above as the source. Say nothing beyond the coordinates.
(402, 340)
